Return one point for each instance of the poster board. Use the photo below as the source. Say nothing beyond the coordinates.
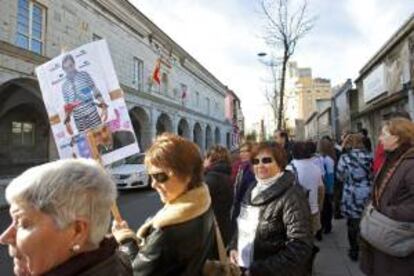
(85, 105)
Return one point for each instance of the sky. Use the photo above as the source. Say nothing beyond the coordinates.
(225, 36)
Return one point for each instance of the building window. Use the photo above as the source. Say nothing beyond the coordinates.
(197, 100)
(208, 106)
(164, 83)
(30, 26)
(96, 37)
(23, 134)
(138, 73)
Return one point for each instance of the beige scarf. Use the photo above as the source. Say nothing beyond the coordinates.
(187, 206)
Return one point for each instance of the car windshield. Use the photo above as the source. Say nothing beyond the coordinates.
(133, 159)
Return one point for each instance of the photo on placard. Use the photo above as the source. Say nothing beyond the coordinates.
(85, 104)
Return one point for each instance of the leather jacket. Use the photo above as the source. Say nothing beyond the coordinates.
(283, 239)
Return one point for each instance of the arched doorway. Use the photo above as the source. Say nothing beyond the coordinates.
(140, 123)
(209, 137)
(197, 135)
(24, 127)
(183, 128)
(164, 124)
(217, 136)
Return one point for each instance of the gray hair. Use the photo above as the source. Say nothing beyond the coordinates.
(67, 190)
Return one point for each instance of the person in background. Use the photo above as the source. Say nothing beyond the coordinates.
(274, 235)
(379, 153)
(309, 176)
(393, 196)
(243, 180)
(367, 140)
(60, 214)
(354, 169)
(281, 137)
(341, 147)
(217, 177)
(180, 237)
(328, 156)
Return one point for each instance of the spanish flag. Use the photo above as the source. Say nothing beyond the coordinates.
(156, 72)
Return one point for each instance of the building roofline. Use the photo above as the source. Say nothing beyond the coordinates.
(156, 32)
(399, 35)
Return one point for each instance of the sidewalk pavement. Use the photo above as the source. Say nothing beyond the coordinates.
(332, 259)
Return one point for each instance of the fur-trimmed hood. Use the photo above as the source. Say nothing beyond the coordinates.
(188, 206)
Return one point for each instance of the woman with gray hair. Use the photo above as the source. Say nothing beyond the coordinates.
(60, 214)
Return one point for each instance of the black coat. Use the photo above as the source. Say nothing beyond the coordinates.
(178, 240)
(105, 261)
(283, 243)
(217, 178)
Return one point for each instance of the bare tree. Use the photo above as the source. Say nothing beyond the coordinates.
(284, 29)
(273, 93)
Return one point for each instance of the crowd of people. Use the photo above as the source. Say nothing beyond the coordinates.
(267, 205)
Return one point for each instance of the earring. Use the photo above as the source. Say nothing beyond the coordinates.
(75, 248)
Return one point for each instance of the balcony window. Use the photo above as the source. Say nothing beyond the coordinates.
(138, 73)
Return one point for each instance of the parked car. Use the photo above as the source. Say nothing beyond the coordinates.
(130, 173)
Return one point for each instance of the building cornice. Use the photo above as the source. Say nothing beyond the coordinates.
(123, 9)
(132, 93)
(393, 41)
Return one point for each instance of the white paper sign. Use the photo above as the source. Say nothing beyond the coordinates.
(246, 226)
(85, 105)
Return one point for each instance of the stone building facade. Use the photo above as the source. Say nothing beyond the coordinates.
(189, 101)
(385, 83)
(234, 115)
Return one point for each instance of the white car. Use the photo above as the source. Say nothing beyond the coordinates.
(130, 173)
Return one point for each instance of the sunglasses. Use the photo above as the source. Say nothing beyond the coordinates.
(264, 160)
(160, 177)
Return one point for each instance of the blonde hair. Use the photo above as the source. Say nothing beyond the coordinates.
(356, 141)
(218, 154)
(403, 129)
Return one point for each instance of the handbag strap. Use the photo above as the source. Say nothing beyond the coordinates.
(221, 249)
(381, 188)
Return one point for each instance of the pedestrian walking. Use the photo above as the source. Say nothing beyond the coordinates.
(327, 158)
(281, 137)
(180, 237)
(393, 197)
(273, 236)
(354, 169)
(243, 181)
(217, 172)
(309, 176)
(366, 140)
(60, 214)
(340, 148)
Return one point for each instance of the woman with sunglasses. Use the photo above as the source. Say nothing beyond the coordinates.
(273, 234)
(180, 237)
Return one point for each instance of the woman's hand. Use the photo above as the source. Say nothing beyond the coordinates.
(121, 231)
(234, 257)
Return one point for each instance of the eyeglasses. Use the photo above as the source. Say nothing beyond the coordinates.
(264, 160)
(160, 177)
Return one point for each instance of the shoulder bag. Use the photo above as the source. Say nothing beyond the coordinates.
(221, 267)
(390, 236)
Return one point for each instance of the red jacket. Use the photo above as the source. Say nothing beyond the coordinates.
(379, 157)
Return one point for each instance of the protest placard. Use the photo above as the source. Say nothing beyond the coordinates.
(85, 104)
